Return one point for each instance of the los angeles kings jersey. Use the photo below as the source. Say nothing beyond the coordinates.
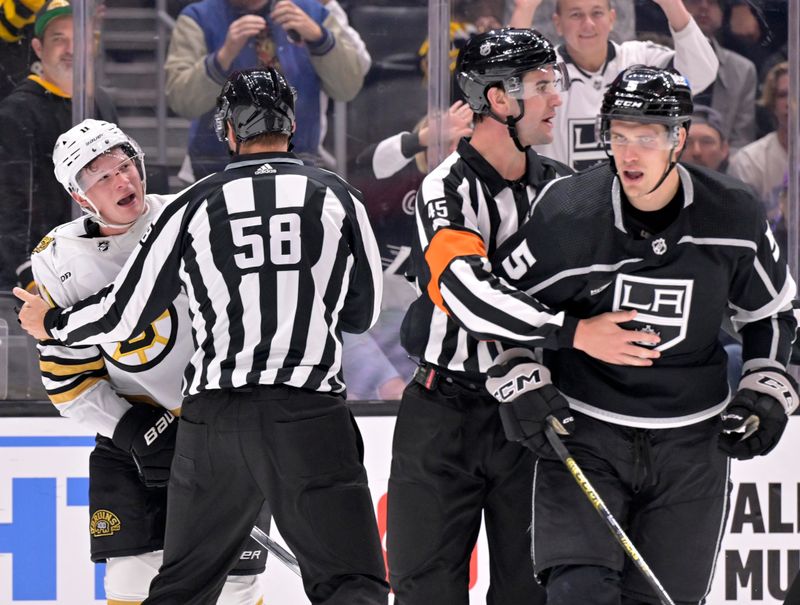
(718, 257)
(574, 142)
(94, 383)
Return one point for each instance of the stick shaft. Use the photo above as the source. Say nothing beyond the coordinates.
(606, 515)
(283, 555)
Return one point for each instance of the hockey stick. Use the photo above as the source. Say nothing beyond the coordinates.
(283, 555)
(602, 510)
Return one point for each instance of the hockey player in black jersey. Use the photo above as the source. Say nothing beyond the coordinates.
(684, 247)
(450, 460)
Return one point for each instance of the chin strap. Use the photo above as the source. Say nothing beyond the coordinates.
(511, 123)
(98, 218)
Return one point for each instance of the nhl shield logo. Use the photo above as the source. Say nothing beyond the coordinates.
(662, 304)
(659, 246)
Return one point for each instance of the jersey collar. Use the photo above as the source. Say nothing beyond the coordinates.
(487, 173)
(49, 86)
(616, 199)
(253, 159)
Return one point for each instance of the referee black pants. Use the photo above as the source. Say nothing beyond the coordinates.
(451, 462)
(299, 450)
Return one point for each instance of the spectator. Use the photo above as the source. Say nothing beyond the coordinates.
(31, 118)
(364, 62)
(395, 168)
(733, 93)
(15, 36)
(706, 144)
(593, 61)
(522, 15)
(213, 38)
(746, 30)
(763, 163)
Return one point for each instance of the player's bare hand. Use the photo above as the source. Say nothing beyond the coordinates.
(31, 313)
(239, 32)
(602, 338)
(291, 17)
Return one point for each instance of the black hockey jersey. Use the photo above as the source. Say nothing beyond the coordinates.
(718, 257)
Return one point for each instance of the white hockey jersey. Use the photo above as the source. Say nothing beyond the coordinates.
(574, 142)
(94, 384)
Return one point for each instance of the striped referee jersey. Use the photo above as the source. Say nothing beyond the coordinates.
(464, 211)
(277, 260)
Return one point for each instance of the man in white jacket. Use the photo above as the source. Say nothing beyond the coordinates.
(594, 61)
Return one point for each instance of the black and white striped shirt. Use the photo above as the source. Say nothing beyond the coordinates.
(464, 211)
(277, 259)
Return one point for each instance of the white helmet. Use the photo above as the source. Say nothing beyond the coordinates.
(80, 145)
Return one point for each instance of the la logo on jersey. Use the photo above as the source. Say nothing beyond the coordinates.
(662, 305)
(584, 149)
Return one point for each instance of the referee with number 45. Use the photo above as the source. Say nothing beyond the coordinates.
(278, 259)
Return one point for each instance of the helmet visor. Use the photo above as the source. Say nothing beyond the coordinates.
(611, 139)
(102, 172)
(547, 80)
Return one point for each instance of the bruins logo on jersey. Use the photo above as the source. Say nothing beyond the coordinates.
(104, 523)
(662, 306)
(149, 348)
(46, 241)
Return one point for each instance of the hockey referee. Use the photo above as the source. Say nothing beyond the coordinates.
(277, 259)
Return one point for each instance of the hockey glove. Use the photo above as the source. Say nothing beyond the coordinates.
(527, 398)
(756, 417)
(148, 433)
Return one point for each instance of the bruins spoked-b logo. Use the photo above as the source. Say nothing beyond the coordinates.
(662, 306)
(104, 523)
(147, 349)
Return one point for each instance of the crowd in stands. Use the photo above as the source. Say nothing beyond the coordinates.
(373, 55)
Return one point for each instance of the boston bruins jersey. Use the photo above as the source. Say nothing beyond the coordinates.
(718, 258)
(94, 384)
(574, 142)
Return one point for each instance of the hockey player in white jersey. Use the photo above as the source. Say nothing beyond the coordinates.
(593, 61)
(128, 392)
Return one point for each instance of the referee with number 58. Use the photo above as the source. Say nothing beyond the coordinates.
(278, 259)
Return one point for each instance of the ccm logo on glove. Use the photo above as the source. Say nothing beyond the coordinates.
(519, 383)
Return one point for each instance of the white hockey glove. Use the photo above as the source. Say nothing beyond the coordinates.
(527, 398)
(148, 433)
(754, 420)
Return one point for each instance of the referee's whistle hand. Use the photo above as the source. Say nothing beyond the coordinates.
(31, 315)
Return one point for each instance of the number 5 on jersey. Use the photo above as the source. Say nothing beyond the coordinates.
(284, 240)
(519, 261)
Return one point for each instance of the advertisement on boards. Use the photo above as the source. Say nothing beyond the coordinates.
(44, 520)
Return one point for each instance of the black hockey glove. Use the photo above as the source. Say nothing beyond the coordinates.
(527, 398)
(148, 433)
(756, 417)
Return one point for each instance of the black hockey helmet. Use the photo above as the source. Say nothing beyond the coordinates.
(501, 57)
(256, 101)
(650, 95)
(497, 57)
